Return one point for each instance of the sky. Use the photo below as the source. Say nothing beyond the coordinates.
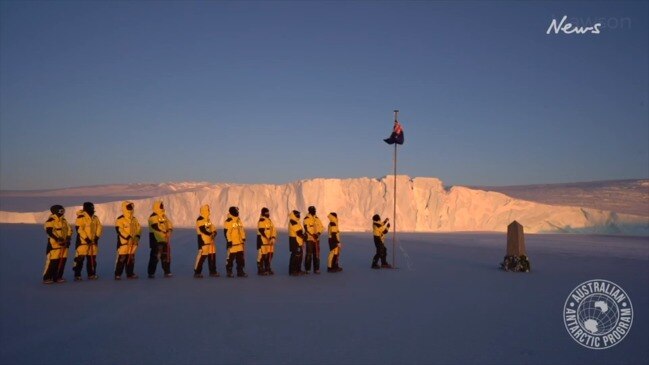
(272, 92)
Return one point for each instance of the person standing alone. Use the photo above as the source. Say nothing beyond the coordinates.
(380, 229)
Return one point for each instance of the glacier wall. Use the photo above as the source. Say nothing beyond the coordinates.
(423, 205)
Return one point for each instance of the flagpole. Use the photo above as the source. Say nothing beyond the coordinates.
(394, 212)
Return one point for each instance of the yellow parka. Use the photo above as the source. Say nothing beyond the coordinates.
(234, 233)
(295, 229)
(160, 226)
(128, 231)
(266, 230)
(205, 231)
(334, 230)
(59, 233)
(313, 227)
(380, 229)
(89, 229)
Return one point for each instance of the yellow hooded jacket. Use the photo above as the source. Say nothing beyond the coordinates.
(206, 231)
(380, 229)
(234, 233)
(159, 225)
(57, 229)
(313, 227)
(295, 229)
(266, 226)
(89, 228)
(334, 230)
(128, 231)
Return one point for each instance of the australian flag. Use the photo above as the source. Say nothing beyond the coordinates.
(397, 134)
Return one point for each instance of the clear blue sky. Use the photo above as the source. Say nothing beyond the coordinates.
(120, 92)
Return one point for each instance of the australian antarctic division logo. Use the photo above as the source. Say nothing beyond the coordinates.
(598, 314)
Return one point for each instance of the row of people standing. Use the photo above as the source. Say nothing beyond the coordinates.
(89, 231)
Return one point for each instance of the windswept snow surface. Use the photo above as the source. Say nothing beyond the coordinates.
(423, 205)
(446, 304)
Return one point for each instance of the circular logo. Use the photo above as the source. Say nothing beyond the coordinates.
(598, 314)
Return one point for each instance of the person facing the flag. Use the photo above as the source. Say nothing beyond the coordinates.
(160, 228)
(89, 230)
(295, 242)
(380, 229)
(128, 237)
(397, 134)
(334, 244)
(313, 228)
(266, 236)
(59, 233)
(206, 236)
(235, 237)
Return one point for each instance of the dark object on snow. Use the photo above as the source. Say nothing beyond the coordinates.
(516, 259)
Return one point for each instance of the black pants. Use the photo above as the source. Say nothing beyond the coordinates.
(295, 263)
(211, 264)
(91, 265)
(241, 263)
(381, 252)
(312, 254)
(55, 269)
(159, 252)
(125, 261)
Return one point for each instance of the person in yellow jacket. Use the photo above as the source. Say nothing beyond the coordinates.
(380, 229)
(295, 243)
(235, 237)
(89, 230)
(160, 229)
(206, 235)
(59, 233)
(334, 244)
(266, 236)
(128, 237)
(313, 228)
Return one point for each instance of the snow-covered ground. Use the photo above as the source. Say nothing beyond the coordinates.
(447, 304)
(423, 205)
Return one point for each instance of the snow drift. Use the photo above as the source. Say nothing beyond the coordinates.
(423, 205)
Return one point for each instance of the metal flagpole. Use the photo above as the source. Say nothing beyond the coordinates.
(394, 212)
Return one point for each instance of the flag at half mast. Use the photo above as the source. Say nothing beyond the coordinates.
(397, 134)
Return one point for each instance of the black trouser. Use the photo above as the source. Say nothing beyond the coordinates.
(211, 264)
(159, 252)
(312, 253)
(263, 265)
(295, 263)
(55, 269)
(91, 265)
(125, 261)
(238, 256)
(381, 252)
